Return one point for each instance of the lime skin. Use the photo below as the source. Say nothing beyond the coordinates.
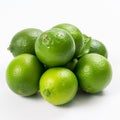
(55, 47)
(24, 41)
(94, 73)
(75, 33)
(23, 74)
(58, 85)
(98, 47)
(86, 45)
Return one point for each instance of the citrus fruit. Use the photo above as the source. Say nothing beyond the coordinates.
(76, 34)
(98, 47)
(55, 47)
(58, 85)
(72, 64)
(94, 72)
(23, 74)
(86, 45)
(24, 41)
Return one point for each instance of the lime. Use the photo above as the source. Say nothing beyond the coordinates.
(94, 72)
(72, 64)
(55, 47)
(23, 74)
(58, 85)
(86, 45)
(98, 47)
(76, 34)
(24, 41)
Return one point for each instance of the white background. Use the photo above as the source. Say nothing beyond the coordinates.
(99, 19)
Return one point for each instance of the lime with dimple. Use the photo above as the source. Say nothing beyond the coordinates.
(58, 85)
(94, 73)
(23, 74)
(24, 41)
(55, 47)
(76, 34)
(98, 47)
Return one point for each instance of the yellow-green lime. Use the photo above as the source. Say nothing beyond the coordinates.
(94, 73)
(76, 34)
(55, 47)
(23, 74)
(58, 85)
(24, 41)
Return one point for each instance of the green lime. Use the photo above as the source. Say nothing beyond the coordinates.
(58, 85)
(55, 47)
(94, 73)
(76, 34)
(98, 47)
(23, 74)
(86, 45)
(24, 41)
(72, 64)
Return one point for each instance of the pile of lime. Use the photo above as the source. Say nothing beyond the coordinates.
(57, 63)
